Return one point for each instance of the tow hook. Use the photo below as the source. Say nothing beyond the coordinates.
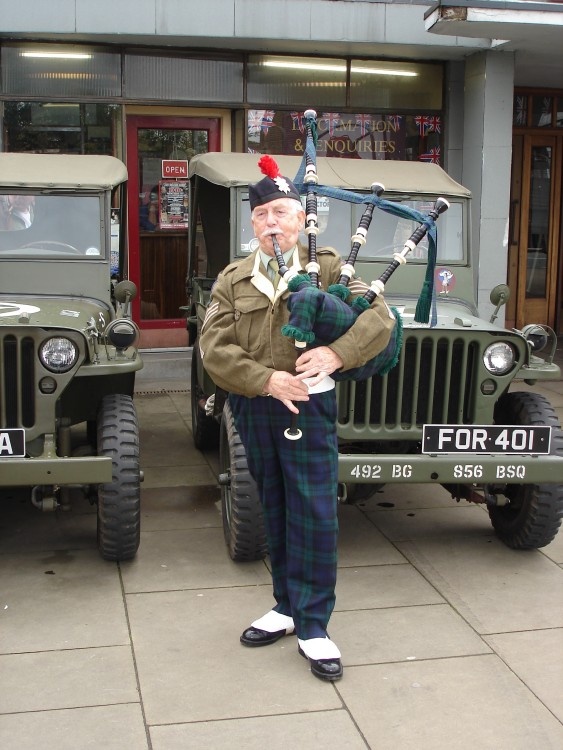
(494, 500)
(45, 502)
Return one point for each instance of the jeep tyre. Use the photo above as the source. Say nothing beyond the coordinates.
(243, 521)
(533, 516)
(205, 429)
(119, 501)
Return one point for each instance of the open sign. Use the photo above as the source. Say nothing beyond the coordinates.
(174, 168)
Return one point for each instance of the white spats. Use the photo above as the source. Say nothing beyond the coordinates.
(272, 621)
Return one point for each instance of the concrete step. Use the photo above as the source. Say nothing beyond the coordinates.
(164, 365)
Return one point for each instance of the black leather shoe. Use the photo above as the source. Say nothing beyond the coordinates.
(256, 637)
(325, 669)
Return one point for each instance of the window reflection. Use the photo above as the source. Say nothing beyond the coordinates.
(538, 222)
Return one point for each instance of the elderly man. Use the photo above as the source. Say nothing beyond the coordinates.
(245, 354)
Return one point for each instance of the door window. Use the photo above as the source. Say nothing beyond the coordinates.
(538, 222)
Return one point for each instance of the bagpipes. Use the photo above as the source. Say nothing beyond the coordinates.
(318, 317)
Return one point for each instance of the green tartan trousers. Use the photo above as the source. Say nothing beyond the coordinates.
(297, 485)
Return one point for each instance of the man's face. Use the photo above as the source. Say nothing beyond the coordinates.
(21, 203)
(283, 217)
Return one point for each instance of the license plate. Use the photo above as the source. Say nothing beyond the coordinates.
(12, 443)
(501, 439)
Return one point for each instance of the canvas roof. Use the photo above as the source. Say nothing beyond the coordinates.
(234, 169)
(61, 171)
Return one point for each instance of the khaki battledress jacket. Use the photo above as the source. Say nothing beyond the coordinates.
(241, 343)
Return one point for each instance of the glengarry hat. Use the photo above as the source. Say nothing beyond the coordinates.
(273, 185)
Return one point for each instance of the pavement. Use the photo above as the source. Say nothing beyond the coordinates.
(450, 640)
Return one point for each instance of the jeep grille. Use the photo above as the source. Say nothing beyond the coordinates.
(17, 379)
(432, 383)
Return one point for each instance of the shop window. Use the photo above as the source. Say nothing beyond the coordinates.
(520, 111)
(542, 107)
(59, 127)
(305, 81)
(415, 137)
(183, 78)
(60, 71)
(395, 85)
(559, 112)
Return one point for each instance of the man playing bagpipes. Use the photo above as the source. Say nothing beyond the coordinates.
(245, 353)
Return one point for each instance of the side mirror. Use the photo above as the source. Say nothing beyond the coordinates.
(125, 291)
(499, 296)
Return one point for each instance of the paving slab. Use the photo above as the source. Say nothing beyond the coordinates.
(93, 728)
(360, 543)
(468, 703)
(25, 527)
(330, 730)
(494, 588)
(177, 476)
(188, 559)
(157, 403)
(407, 524)
(535, 656)
(410, 496)
(60, 600)
(403, 634)
(166, 441)
(381, 586)
(182, 507)
(67, 679)
(555, 550)
(192, 667)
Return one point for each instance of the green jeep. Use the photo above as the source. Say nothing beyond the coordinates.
(67, 343)
(444, 413)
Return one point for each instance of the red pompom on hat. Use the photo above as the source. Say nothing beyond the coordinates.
(273, 186)
(269, 166)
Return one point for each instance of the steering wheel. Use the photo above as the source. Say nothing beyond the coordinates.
(41, 244)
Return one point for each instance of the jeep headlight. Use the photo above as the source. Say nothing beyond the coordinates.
(499, 358)
(58, 354)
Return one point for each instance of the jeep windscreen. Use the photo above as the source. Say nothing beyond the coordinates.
(338, 221)
(39, 225)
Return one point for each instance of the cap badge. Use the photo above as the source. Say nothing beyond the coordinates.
(282, 184)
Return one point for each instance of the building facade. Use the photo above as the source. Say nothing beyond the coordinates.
(154, 82)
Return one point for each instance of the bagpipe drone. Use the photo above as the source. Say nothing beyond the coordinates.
(318, 317)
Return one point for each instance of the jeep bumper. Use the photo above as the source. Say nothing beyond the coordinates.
(48, 470)
(450, 469)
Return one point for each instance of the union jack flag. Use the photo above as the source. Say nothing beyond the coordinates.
(395, 120)
(435, 123)
(267, 119)
(423, 122)
(432, 156)
(333, 120)
(521, 110)
(364, 121)
(254, 120)
(297, 118)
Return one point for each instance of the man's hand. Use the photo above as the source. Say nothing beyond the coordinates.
(287, 388)
(317, 364)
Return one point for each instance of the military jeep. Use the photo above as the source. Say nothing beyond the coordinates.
(67, 343)
(444, 414)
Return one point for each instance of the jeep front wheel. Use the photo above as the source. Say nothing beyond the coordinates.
(119, 501)
(243, 522)
(534, 512)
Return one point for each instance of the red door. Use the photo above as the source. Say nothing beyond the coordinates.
(158, 151)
